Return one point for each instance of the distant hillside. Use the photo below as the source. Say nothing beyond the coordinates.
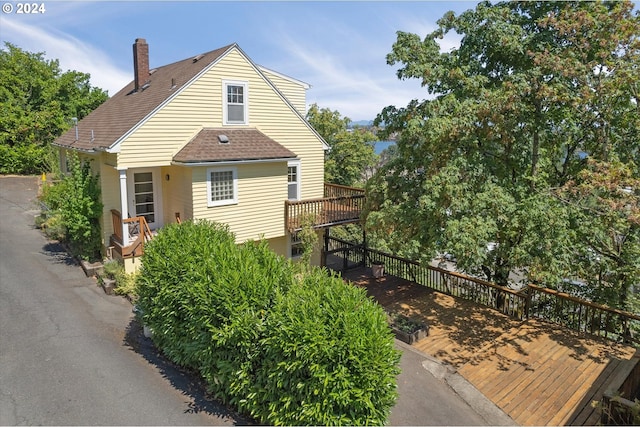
(361, 123)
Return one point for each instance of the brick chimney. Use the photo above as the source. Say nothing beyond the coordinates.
(140, 63)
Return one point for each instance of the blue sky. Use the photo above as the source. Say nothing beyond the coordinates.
(338, 47)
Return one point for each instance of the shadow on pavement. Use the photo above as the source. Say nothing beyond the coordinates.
(188, 383)
(58, 253)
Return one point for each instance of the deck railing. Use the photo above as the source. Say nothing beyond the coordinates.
(336, 190)
(581, 315)
(531, 302)
(141, 230)
(116, 221)
(340, 205)
(141, 226)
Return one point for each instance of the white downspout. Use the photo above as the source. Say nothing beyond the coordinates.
(124, 209)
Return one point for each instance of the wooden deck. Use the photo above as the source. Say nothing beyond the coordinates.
(538, 373)
(323, 212)
(340, 205)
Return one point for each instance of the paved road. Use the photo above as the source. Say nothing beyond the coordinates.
(69, 354)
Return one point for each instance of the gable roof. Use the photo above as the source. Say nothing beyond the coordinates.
(245, 144)
(117, 115)
(284, 76)
(120, 114)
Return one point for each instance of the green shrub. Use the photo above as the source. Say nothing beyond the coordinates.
(283, 346)
(53, 226)
(328, 357)
(76, 200)
(205, 298)
(112, 268)
(82, 209)
(126, 284)
(54, 195)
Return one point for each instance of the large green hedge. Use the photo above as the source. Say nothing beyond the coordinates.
(285, 345)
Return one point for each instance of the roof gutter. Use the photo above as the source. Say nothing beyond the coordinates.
(88, 151)
(233, 162)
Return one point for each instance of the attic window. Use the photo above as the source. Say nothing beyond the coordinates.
(235, 98)
(224, 139)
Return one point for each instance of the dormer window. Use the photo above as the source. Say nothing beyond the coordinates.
(235, 99)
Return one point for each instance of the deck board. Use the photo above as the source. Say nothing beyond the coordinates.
(538, 373)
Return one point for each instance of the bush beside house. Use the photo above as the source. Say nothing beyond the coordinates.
(285, 345)
(73, 210)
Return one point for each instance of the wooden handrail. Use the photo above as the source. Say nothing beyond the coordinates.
(530, 302)
(324, 211)
(143, 226)
(116, 221)
(568, 297)
(337, 190)
(340, 205)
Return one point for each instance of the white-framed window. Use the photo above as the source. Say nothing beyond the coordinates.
(222, 186)
(295, 245)
(235, 98)
(293, 179)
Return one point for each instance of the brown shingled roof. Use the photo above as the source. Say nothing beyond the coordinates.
(244, 144)
(116, 116)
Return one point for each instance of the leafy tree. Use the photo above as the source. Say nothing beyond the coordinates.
(37, 102)
(352, 151)
(328, 123)
(605, 203)
(534, 90)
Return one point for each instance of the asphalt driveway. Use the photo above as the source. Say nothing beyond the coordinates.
(69, 353)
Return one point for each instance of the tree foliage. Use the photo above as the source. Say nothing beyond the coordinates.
(533, 94)
(352, 150)
(37, 103)
(604, 201)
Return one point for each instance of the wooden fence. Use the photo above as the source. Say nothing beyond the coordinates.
(530, 302)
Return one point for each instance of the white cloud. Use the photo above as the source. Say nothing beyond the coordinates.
(356, 91)
(72, 53)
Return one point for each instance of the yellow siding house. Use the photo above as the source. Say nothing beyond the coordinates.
(213, 136)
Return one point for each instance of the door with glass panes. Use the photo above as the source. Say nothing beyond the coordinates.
(144, 197)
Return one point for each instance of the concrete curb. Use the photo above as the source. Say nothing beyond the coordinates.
(484, 407)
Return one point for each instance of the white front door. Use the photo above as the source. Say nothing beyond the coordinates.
(144, 195)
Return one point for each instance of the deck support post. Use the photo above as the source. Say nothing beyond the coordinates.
(345, 261)
(365, 251)
(325, 248)
(527, 303)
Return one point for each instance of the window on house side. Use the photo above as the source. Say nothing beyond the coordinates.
(296, 245)
(222, 187)
(235, 100)
(293, 180)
